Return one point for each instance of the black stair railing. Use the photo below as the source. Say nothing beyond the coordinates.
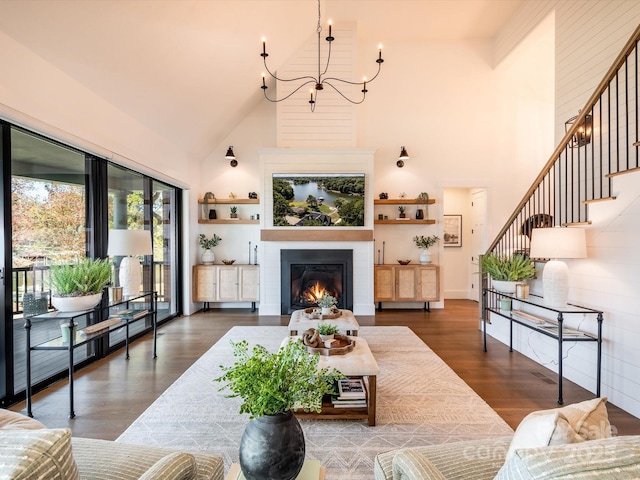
(579, 172)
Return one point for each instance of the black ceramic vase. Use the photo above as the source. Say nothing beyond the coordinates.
(272, 448)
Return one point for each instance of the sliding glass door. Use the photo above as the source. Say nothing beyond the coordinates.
(58, 205)
(48, 222)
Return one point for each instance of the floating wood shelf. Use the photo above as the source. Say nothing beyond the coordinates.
(409, 221)
(228, 221)
(403, 201)
(231, 201)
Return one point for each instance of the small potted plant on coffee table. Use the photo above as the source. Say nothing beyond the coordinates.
(271, 385)
(327, 331)
(326, 303)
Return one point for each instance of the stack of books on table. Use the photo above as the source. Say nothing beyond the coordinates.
(351, 394)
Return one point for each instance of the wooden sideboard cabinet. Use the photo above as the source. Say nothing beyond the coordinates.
(406, 283)
(226, 283)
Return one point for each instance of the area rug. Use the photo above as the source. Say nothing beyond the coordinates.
(421, 401)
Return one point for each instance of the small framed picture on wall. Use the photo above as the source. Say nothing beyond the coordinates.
(452, 230)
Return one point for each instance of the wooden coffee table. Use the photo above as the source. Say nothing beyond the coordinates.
(359, 363)
(346, 322)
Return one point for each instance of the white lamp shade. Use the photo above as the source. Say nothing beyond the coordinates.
(129, 242)
(558, 242)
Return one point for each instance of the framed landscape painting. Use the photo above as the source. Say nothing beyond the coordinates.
(452, 230)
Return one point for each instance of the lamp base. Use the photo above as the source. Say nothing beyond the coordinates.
(130, 277)
(555, 283)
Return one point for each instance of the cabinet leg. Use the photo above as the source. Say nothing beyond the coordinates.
(379, 306)
(427, 307)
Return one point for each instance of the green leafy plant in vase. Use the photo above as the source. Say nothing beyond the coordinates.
(401, 211)
(326, 303)
(270, 386)
(207, 243)
(234, 212)
(424, 243)
(506, 271)
(327, 330)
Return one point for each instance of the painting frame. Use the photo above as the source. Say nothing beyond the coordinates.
(452, 230)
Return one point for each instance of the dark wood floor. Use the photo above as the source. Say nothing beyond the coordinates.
(113, 392)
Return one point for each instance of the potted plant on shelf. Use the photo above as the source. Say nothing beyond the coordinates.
(326, 303)
(401, 211)
(271, 385)
(234, 212)
(207, 244)
(506, 271)
(424, 243)
(79, 286)
(327, 331)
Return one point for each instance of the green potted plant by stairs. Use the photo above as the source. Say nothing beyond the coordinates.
(271, 385)
(506, 271)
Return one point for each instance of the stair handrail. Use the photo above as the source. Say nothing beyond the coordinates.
(602, 86)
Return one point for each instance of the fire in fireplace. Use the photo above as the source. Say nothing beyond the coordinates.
(307, 275)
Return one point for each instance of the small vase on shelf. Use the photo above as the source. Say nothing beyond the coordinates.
(208, 257)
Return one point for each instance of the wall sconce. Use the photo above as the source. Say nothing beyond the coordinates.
(231, 156)
(582, 136)
(403, 156)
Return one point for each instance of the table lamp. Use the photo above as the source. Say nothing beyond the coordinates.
(128, 243)
(557, 243)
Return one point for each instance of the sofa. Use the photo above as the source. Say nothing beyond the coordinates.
(28, 450)
(572, 442)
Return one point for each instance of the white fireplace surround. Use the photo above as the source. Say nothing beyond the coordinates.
(287, 160)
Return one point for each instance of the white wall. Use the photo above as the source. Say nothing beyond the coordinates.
(588, 37)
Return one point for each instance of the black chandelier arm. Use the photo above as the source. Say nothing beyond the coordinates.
(328, 59)
(364, 93)
(353, 83)
(284, 98)
(309, 77)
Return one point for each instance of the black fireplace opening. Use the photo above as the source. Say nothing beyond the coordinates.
(307, 275)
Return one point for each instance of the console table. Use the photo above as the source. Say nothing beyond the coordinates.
(78, 337)
(545, 326)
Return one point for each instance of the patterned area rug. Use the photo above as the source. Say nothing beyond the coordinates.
(421, 401)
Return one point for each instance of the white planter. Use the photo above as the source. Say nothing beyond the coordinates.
(76, 304)
(504, 286)
(326, 310)
(208, 257)
(425, 257)
(327, 337)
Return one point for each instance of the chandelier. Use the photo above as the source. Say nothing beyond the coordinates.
(320, 81)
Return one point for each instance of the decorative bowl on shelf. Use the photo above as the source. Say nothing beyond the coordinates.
(404, 262)
(228, 262)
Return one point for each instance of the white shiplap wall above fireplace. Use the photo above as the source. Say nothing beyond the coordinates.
(319, 161)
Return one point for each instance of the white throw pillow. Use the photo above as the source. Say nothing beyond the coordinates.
(541, 429)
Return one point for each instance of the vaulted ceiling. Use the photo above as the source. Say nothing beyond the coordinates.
(190, 69)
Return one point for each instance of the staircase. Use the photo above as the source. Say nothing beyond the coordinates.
(601, 143)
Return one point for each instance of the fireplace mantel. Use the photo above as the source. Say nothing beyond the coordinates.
(326, 235)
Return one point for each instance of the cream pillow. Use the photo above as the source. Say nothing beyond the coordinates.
(589, 418)
(541, 429)
(573, 423)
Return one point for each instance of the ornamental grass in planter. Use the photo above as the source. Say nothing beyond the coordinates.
(79, 286)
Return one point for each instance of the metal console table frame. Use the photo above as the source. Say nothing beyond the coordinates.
(491, 305)
(78, 339)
